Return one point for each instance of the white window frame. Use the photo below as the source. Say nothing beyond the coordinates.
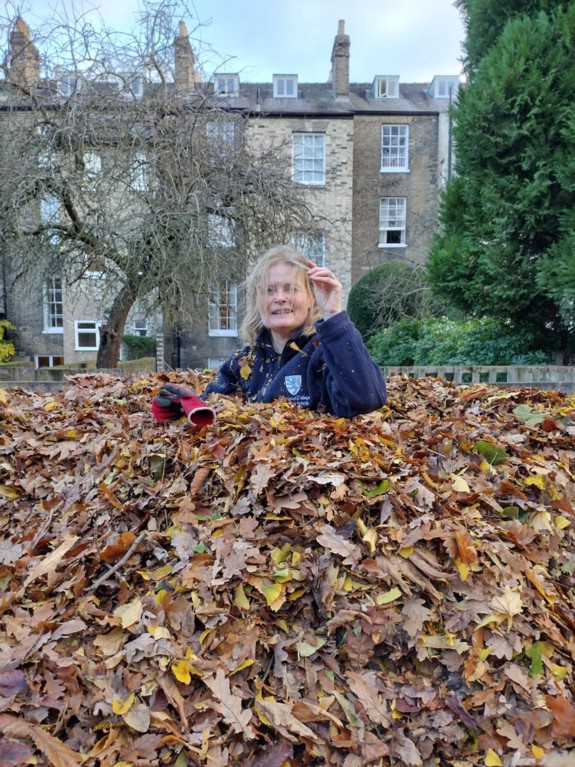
(311, 245)
(309, 158)
(442, 85)
(53, 360)
(226, 85)
(140, 328)
(392, 222)
(386, 87)
(285, 86)
(52, 305)
(86, 326)
(223, 299)
(394, 148)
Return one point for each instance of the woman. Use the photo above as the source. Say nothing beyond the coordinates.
(300, 344)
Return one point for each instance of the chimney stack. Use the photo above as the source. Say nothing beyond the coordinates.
(185, 76)
(340, 63)
(23, 57)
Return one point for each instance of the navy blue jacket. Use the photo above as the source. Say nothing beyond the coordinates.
(330, 370)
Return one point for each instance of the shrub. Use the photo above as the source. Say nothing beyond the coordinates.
(386, 294)
(442, 341)
(139, 346)
(7, 350)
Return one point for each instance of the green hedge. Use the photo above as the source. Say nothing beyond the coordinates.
(442, 341)
(139, 346)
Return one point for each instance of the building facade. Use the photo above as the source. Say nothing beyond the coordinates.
(371, 159)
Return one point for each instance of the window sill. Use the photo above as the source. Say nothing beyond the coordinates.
(392, 245)
(53, 331)
(395, 170)
(223, 333)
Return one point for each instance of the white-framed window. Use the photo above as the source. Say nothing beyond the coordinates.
(223, 309)
(285, 86)
(53, 309)
(139, 172)
(221, 133)
(444, 87)
(86, 335)
(220, 231)
(394, 148)
(226, 85)
(140, 328)
(392, 215)
(311, 245)
(47, 360)
(50, 216)
(309, 158)
(385, 87)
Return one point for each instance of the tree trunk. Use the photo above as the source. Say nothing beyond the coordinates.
(111, 333)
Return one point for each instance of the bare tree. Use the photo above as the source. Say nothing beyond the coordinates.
(119, 165)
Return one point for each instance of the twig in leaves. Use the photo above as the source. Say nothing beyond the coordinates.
(118, 564)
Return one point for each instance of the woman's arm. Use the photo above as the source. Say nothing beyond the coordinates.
(354, 383)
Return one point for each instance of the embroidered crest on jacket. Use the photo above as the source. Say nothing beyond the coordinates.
(293, 384)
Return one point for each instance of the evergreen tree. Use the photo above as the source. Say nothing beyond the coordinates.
(508, 215)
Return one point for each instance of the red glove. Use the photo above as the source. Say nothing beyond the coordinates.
(173, 401)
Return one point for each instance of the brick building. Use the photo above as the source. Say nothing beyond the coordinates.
(371, 157)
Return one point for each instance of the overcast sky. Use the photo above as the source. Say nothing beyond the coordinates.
(415, 39)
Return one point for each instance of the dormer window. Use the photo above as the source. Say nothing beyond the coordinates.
(285, 86)
(226, 85)
(385, 87)
(444, 87)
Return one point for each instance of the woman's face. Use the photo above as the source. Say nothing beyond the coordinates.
(284, 302)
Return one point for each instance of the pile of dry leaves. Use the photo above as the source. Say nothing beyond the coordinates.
(285, 588)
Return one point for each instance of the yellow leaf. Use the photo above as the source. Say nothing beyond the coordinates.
(129, 613)
(240, 598)
(181, 670)
(459, 484)
(9, 492)
(124, 764)
(389, 596)
(537, 752)
(462, 568)
(371, 539)
(492, 759)
(538, 480)
(121, 706)
(205, 634)
(562, 523)
(558, 672)
(245, 664)
(272, 592)
(305, 648)
(245, 372)
(3, 398)
(50, 405)
(406, 552)
(158, 632)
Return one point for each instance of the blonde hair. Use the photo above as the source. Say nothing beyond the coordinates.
(280, 254)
